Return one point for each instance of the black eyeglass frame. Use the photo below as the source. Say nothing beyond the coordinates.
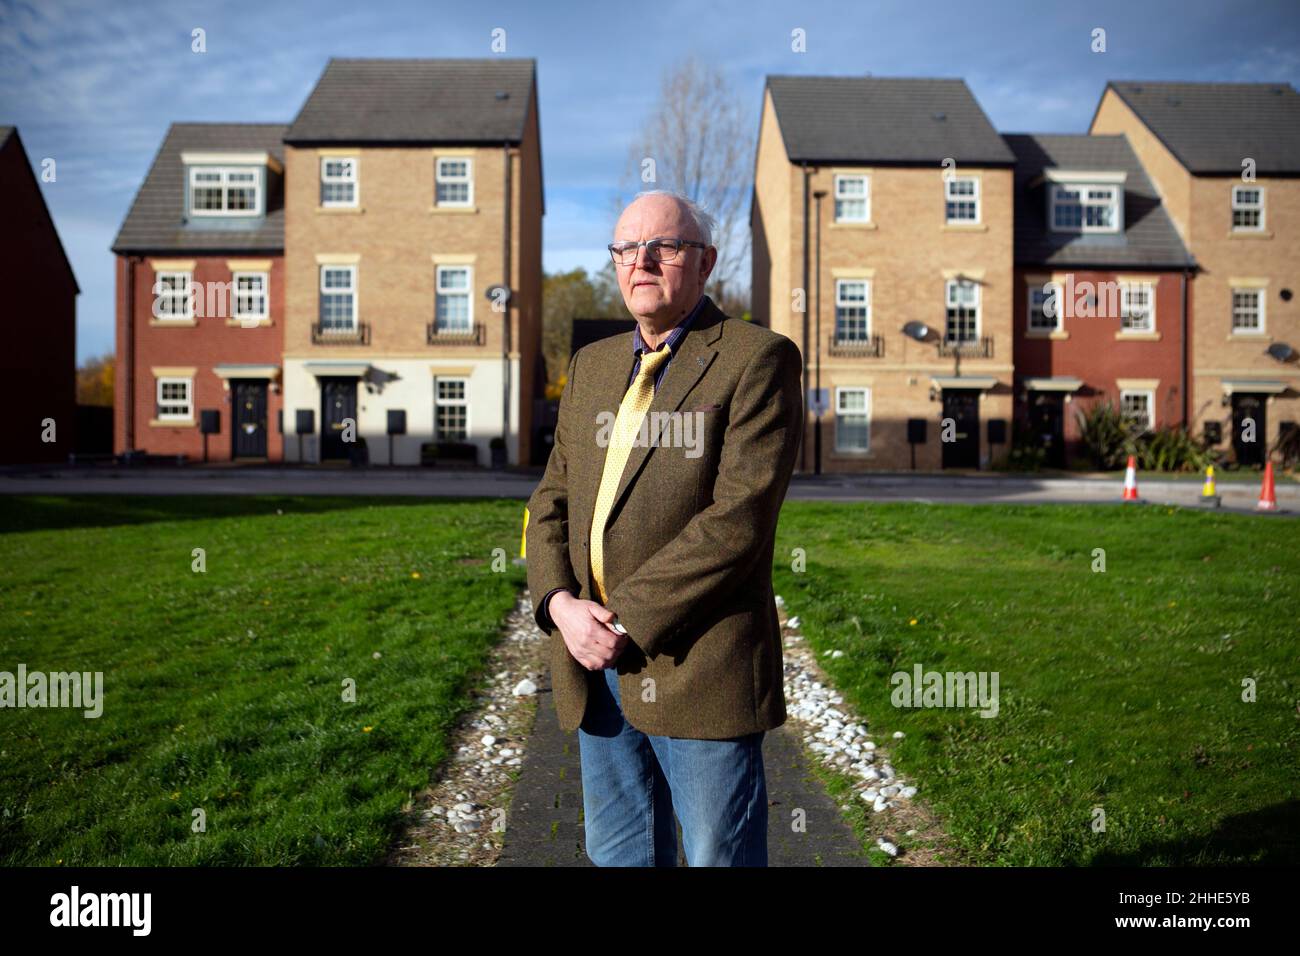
(616, 249)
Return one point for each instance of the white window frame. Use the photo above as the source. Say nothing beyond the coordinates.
(949, 286)
(1048, 289)
(320, 316)
(439, 402)
(468, 293)
(1125, 290)
(1239, 205)
(1150, 395)
(865, 197)
(974, 197)
(328, 179)
(188, 414)
(1260, 299)
(225, 186)
(840, 392)
(865, 305)
(188, 294)
(467, 179)
(235, 311)
(1116, 204)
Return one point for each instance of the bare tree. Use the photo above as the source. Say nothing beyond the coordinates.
(696, 141)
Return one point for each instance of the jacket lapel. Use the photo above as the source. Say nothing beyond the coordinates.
(694, 354)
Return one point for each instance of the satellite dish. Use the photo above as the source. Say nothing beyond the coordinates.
(1281, 351)
(917, 330)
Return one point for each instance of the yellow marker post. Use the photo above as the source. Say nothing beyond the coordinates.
(1207, 491)
(523, 540)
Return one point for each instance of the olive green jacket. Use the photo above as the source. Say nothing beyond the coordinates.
(689, 540)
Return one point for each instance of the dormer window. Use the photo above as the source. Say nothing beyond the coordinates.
(1085, 207)
(225, 191)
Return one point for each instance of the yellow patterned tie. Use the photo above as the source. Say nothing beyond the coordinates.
(627, 424)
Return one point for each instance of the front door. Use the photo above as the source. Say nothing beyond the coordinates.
(248, 397)
(338, 402)
(962, 406)
(1248, 412)
(1047, 420)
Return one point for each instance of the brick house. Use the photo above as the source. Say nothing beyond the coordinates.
(1102, 290)
(912, 231)
(1225, 159)
(200, 296)
(413, 201)
(39, 361)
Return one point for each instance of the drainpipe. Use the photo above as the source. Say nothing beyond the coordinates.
(817, 336)
(505, 314)
(803, 434)
(128, 391)
(1183, 293)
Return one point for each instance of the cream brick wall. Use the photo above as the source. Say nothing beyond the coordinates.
(398, 235)
(907, 252)
(1202, 209)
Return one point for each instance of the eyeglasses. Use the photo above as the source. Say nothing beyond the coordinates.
(660, 250)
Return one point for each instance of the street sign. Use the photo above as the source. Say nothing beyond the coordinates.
(819, 400)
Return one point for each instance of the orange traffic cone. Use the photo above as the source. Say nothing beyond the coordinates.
(1131, 480)
(1267, 496)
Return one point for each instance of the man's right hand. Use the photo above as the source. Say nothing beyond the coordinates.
(584, 625)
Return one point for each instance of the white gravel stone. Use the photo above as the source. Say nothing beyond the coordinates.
(525, 688)
(488, 740)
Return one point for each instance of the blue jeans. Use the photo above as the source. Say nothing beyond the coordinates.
(632, 782)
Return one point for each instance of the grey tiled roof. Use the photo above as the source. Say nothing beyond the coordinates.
(1212, 127)
(417, 101)
(883, 120)
(1149, 239)
(156, 222)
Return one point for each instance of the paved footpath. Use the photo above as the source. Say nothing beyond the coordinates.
(544, 823)
(925, 487)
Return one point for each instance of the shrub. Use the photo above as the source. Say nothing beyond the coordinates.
(1108, 436)
(1172, 448)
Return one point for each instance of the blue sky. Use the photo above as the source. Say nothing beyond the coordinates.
(95, 84)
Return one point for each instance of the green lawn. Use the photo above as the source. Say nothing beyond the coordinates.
(1120, 690)
(223, 690)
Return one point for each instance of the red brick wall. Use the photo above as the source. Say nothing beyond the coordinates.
(38, 363)
(1093, 354)
(204, 345)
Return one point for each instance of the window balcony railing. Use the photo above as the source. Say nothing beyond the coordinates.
(873, 347)
(358, 334)
(457, 335)
(967, 348)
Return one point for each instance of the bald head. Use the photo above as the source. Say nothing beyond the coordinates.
(661, 294)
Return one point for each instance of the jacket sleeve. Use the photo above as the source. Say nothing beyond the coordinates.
(547, 537)
(720, 545)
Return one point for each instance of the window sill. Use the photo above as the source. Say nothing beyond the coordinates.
(1058, 334)
(173, 323)
(472, 210)
(847, 455)
(172, 422)
(852, 225)
(1138, 336)
(352, 209)
(249, 323)
(965, 227)
(1250, 234)
(1249, 337)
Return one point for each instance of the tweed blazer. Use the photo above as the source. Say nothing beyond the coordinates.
(689, 540)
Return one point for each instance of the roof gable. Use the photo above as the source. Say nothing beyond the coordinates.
(417, 101)
(894, 120)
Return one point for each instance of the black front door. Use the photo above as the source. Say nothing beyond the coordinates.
(961, 435)
(248, 398)
(1047, 419)
(338, 402)
(1248, 408)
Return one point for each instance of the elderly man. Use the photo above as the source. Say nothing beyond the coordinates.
(650, 565)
